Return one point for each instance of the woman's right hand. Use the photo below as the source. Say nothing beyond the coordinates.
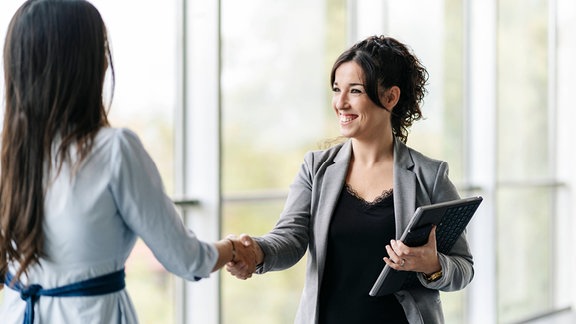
(248, 256)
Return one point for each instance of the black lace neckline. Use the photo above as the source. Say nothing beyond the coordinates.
(384, 195)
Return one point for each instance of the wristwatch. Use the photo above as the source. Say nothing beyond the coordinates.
(434, 276)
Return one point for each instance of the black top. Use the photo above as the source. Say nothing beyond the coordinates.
(358, 234)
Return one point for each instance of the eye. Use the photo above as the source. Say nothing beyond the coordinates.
(335, 89)
(357, 91)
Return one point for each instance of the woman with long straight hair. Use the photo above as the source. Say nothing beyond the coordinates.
(75, 193)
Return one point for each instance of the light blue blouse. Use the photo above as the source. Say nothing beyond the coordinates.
(93, 216)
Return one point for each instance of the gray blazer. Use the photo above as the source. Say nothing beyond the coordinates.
(304, 223)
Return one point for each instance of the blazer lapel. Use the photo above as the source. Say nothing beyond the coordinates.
(331, 187)
(404, 187)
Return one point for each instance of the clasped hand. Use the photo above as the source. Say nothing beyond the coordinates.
(247, 256)
(419, 259)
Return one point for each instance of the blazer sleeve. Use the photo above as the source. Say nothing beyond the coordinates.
(288, 241)
(457, 266)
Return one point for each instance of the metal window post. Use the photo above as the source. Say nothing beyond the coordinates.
(198, 147)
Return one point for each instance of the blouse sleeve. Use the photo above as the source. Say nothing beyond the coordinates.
(147, 210)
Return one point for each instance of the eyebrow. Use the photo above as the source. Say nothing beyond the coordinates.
(352, 84)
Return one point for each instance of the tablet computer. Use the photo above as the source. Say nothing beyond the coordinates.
(451, 218)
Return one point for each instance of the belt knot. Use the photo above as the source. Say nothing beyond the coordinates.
(31, 293)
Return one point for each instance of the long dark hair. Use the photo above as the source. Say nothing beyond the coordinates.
(386, 62)
(55, 59)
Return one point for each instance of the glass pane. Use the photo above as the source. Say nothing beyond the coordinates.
(523, 249)
(276, 58)
(522, 90)
(274, 87)
(525, 215)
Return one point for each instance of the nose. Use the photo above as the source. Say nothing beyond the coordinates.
(341, 101)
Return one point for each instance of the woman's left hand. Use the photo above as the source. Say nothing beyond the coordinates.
(422, 258)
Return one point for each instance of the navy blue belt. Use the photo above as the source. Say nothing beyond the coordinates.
(102, 285)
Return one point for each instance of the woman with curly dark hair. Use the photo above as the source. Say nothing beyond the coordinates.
(350, 203)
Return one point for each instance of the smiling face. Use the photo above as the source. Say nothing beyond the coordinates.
(359, 116)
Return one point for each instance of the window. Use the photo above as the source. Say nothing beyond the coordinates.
(528, 210)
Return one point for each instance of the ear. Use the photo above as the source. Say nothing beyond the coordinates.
(390, 97)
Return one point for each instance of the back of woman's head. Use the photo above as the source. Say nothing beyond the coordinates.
(55, 60)
(386, 62)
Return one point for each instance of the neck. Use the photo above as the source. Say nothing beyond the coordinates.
(373, 152)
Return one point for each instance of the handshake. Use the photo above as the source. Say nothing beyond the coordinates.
(246, 256)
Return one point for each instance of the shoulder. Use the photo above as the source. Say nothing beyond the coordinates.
(424, 160)
(119, 138)
(413, 158)
(329, 155)
(113, 134)
(431, 173)
(119, 144)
